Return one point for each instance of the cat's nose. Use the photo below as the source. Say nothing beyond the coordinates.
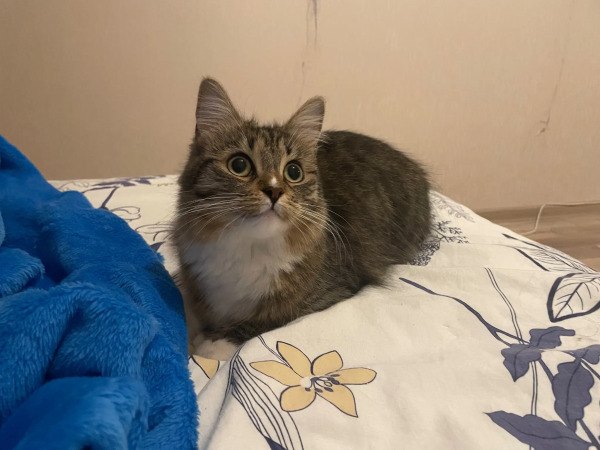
(273, 193)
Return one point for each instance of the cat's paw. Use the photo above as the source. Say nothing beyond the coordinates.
(220, 349)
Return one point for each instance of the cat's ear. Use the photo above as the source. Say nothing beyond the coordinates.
(307, 122)
(214, 111)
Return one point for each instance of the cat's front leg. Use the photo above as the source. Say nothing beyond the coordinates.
(199, 343)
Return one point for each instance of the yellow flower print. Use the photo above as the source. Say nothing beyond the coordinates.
(305, 380)
(208, 366)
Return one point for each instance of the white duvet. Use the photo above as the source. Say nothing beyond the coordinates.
(488, 341)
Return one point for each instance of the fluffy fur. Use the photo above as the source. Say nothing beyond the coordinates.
(250, 264)
(93, 349)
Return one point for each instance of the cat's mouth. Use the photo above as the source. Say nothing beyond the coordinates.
(270, 212)
(266, 223)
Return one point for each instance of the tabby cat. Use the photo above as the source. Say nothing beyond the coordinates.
(278, 221)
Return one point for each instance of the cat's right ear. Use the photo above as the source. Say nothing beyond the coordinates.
(214, 112)
(307, 122)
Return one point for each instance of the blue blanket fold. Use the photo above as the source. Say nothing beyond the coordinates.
(93, 348)
(17, 270)
(112, 413)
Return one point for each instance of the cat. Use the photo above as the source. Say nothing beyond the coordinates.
(275, 222)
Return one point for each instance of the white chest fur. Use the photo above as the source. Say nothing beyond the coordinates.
(234, 272)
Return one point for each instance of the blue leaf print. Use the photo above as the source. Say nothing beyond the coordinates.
(127, 213)
(539, 433)
(158, 230)
(548, 337)
(144, 180)
(548, 258)
(571, 387)
(441, 231)
(274, 445)
(591, 354)
(517, 358)
(449, 207)
(156, 246)
(576, 292)
(127, 182)
(572, 295)
(114, 183)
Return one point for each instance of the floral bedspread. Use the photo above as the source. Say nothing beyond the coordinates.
(487, 341)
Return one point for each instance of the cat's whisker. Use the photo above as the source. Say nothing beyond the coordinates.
(202, 203)
(210, 197)
(319, 221)
(332, 223)
(340, 237)
(212, 214)
(335, 231)
(200, 200)
(331, 211)
(223, 213)
(298, 220)
(230, 223)
(205, 214)
(201, 208)
(196, 217)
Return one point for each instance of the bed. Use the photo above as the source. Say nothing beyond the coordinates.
(488, 340)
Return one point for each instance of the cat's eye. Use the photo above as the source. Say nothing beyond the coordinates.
(239, 166)
(293, 173)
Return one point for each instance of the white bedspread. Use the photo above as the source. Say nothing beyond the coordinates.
(488, 341)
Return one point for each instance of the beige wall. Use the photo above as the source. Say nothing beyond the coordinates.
(500, 98)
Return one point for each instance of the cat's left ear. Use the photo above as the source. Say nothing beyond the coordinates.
(215, 111)
(307, 122)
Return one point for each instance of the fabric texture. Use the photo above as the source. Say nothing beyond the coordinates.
(488, 340)
(93, 349)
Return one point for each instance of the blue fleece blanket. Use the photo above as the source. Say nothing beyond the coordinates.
(93, 346)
